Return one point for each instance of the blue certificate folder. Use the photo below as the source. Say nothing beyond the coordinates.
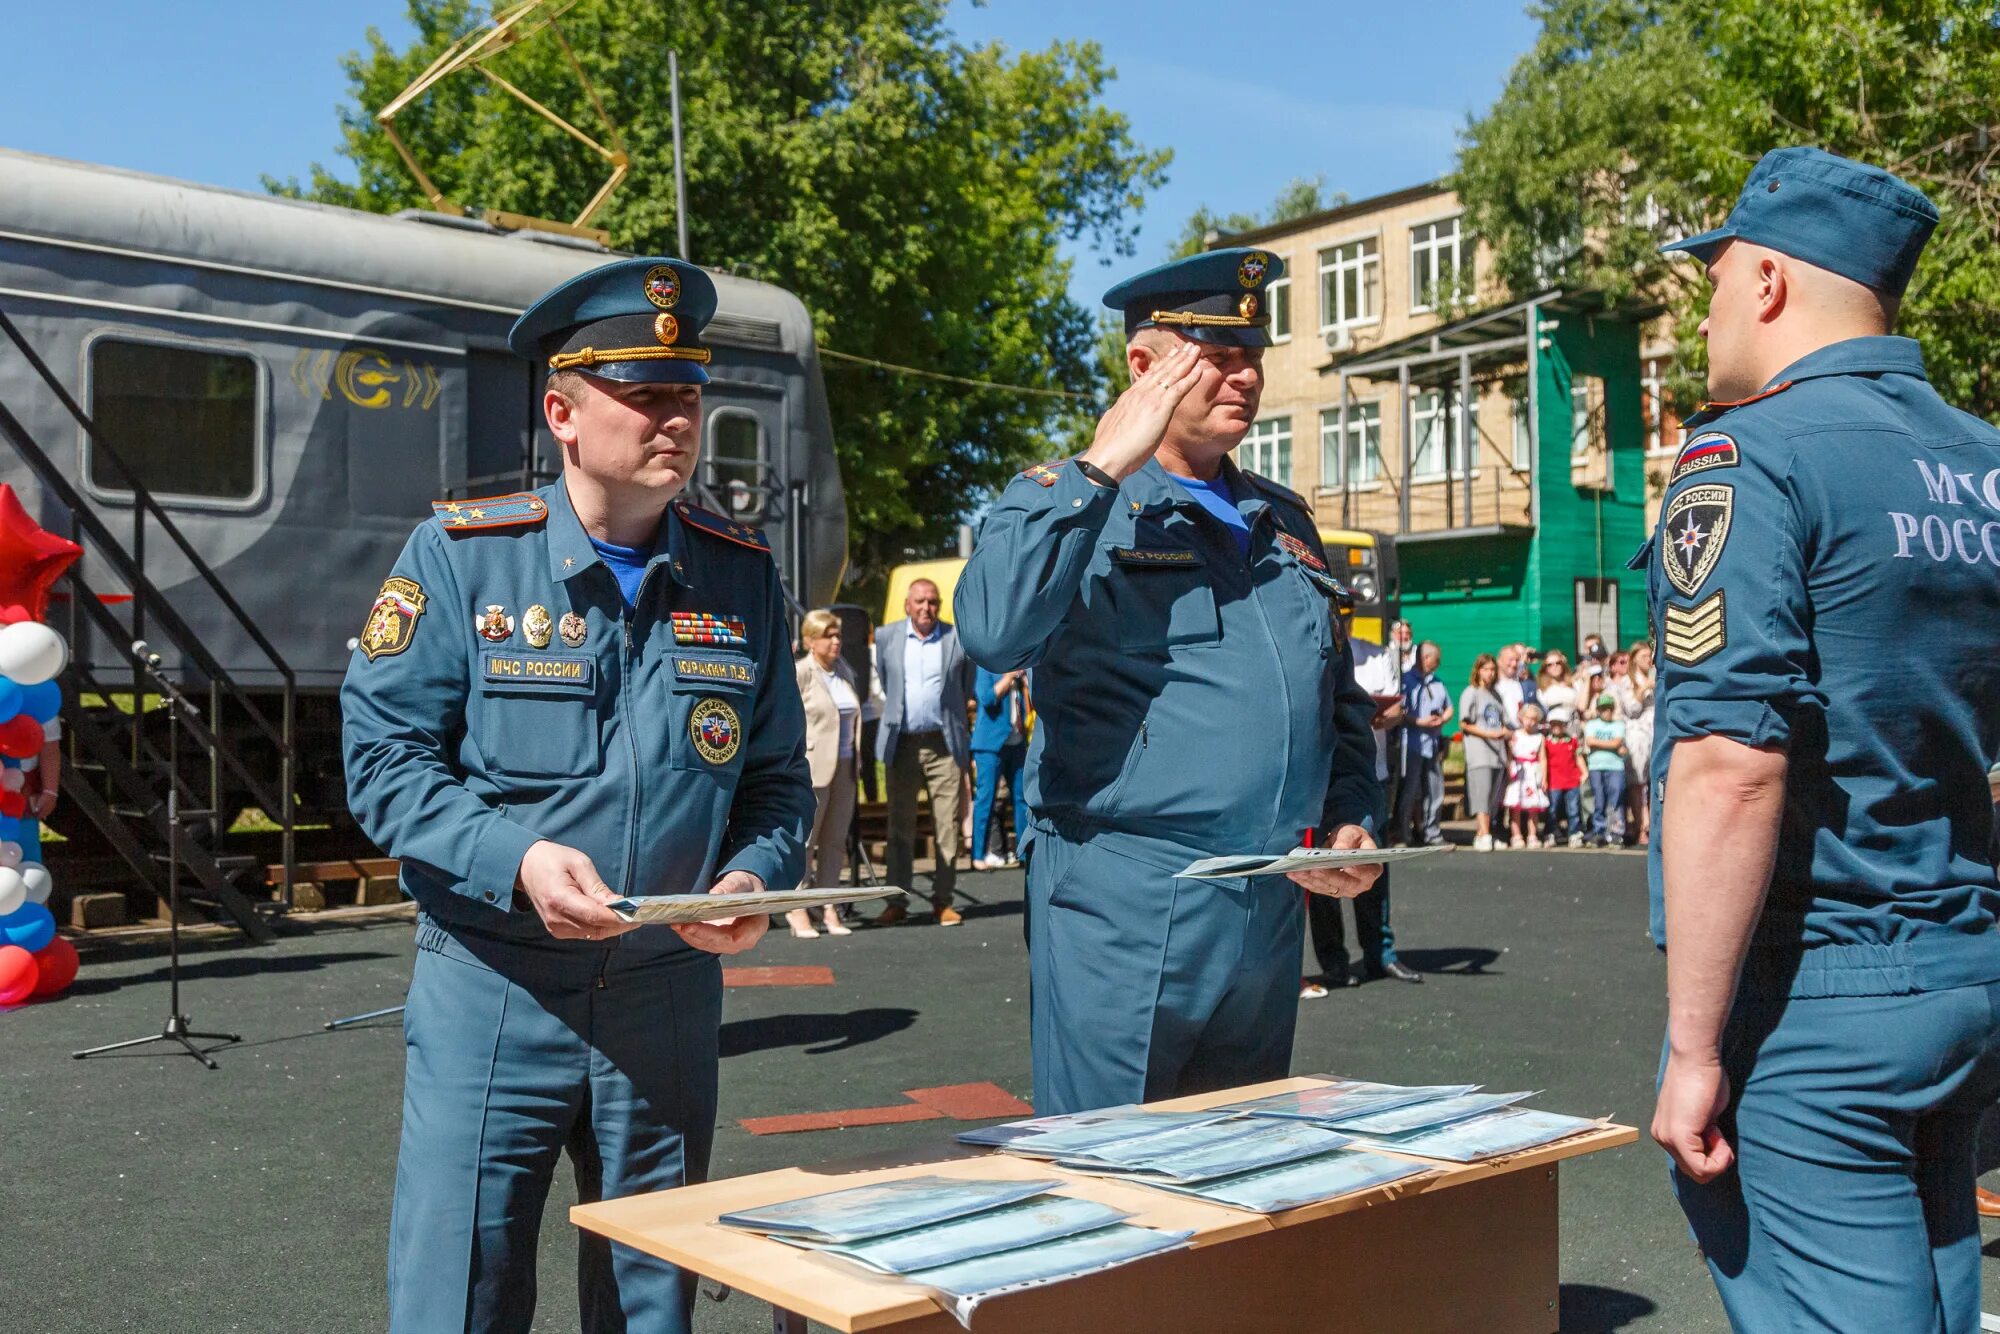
(1010, 1227)
(1094, 1130)
(876, 1211)
(1505, 1131)
(1069, 1257)
(1345, 1097)
(1217, 1149)
(1424, 1115)
(1294, 1185)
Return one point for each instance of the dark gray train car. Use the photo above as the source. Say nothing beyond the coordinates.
(296, 383)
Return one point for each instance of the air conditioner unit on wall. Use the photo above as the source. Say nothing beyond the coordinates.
(1339, 339)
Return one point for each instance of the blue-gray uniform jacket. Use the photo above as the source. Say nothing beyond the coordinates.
(1825, 579)
(503, 693)
(1182, 694)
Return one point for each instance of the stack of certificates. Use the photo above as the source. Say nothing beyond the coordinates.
(1454, 1122)
(966, 1238)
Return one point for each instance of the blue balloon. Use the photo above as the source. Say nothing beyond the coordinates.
(40, 702)
(12, 698)
(10, 826)
(31, 926)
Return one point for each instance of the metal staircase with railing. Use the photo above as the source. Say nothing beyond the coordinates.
(117, 772)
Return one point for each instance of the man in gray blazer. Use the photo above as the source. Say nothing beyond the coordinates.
(922, 742)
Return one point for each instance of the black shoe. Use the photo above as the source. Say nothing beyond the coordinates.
(1402, 972)
(1339, 981)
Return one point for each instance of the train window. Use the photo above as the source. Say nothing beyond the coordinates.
(736, 469)
(185, 419)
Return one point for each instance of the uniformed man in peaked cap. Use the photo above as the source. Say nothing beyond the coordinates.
(1825, 584)
(560, 698)
(1195, 696)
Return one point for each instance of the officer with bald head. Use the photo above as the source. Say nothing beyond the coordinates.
(1825, 587)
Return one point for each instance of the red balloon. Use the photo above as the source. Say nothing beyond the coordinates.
(18, 974)
(10, 615)
(56, 963)
(31, 557)
(13, 805)
(20, 737)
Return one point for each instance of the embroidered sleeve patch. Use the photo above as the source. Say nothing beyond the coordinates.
(392, 621)
(1692, 534)
(1689, 635)
(1710, 449)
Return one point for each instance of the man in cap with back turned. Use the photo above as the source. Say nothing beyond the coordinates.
(1194, 694)
(561, 698)
(1825, 586)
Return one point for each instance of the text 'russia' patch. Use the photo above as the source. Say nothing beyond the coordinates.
(1692, 533)
(1690, 634)
(1710, 449)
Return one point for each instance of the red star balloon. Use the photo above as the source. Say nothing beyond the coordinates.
(31, 557)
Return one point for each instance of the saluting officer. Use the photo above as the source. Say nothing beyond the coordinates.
(562, 697)
(1195, 696)
(1826, 589)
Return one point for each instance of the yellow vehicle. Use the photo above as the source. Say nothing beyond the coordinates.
(1366, 563)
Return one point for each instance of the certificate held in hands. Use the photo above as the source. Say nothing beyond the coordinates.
(683, 908)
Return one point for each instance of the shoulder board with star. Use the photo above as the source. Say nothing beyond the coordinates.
(1708, 412)
(715, 525)
(510, 511)
(1045, 474)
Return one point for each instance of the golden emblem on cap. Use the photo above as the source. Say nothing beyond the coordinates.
(537, 625)
(573, 629)
(666, 328)
(1247, 307)
(663, 286)
(1251, 271)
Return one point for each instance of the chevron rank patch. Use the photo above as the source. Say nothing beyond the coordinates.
(1692, 533)
(1710, 449)
(1043, 473)
(1689, 635)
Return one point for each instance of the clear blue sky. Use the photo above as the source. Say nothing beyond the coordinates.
(1247, 96)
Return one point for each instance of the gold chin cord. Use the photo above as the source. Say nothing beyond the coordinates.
(1185, 317)
(594, 356)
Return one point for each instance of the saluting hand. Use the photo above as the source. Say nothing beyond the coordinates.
(1131, 432)
(731, 935)
(1343, 882)
(568, 893)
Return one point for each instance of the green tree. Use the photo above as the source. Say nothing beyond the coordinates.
(1302, 195)
(913, 191)
(1632, 122)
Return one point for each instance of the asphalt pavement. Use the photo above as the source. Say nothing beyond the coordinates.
(141, 1191)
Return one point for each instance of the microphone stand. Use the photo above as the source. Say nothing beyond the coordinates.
(176, 1029)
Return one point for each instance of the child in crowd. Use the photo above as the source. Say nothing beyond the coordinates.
(1604, 746)
(1565, 782)
(1527, 779)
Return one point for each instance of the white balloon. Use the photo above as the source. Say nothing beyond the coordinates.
(31, 653)
(38, 880)
(12, 854)
(11, 780)
(13, 890)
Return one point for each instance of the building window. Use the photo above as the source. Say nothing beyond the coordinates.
(1267, 449)
(1350, 284)
(185, 419)
(1663, 429)
(1517, 413)
(1440, 265)
(1434, 428)
(1586, 417)
(1279, 295)
(735, 467)
(1357, 461)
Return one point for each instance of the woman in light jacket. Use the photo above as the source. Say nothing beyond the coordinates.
(833, 723)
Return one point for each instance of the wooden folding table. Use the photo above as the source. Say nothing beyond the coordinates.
(1468, 1247)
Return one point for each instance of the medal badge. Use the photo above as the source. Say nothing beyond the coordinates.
(572, 629)
(494, 624)
(715, 731)
(392, 621)
(537, 625)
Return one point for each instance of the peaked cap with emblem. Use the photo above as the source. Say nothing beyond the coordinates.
(1846, 217)
(638, 321)
(1221, 297)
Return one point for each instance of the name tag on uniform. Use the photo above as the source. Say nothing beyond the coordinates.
(715, 669)
(1155, 556)
(539, 671)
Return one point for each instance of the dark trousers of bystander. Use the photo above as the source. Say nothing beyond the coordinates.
(1607, 796)
(1371, 927)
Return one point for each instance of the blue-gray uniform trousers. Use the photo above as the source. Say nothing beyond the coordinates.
(520, 1050)
(1144, 987)
(1854, 1120)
